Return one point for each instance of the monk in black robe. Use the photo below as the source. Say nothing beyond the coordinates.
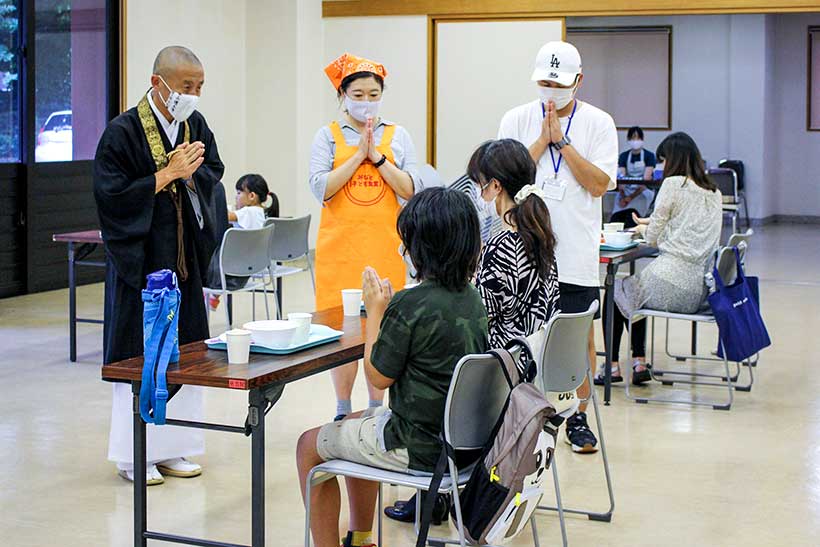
(161, 204)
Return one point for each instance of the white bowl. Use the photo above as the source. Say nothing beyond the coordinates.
(273, 334)
(613, 226)
(617, 238)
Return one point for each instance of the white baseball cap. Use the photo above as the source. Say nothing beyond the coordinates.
(557, 62)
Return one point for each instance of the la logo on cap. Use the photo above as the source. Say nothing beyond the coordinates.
(555, 62)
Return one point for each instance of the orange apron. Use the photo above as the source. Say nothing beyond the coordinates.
(358, 227)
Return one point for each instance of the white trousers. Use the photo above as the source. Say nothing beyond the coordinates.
(163, 442)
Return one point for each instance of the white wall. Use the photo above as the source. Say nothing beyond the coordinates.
(214, 30)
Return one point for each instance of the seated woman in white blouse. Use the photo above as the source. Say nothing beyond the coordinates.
(685, 227)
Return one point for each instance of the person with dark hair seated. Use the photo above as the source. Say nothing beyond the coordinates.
(637, 163)
(413, 341)
(685, 226)
(362, 167)
(517, 275)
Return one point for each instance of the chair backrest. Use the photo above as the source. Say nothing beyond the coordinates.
(429, 176)
(565, 358)
(726, 181)
(291, 239)
(737, 167)
(727, 263)
(245, 252)
(478, 392)
(735, 239)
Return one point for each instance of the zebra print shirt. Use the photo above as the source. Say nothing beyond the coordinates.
(518, 302)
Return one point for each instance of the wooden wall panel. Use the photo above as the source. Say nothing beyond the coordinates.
(560, 8)
(12, 232)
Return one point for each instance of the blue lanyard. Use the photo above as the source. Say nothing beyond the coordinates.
(557, 166)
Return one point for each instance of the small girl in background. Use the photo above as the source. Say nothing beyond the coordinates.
(254, 204)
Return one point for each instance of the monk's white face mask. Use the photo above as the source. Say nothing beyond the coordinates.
(179, 105)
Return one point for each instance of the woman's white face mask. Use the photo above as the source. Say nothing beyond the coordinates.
(362, 110)
(559, 95)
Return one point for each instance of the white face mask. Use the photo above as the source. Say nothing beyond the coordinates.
(361, 110)
(559, 95)
(636, 145)
(180, 106)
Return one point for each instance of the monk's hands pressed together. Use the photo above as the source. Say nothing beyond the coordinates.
(183, 162)
(376, 292)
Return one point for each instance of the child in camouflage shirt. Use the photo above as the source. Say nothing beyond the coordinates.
(413, 340)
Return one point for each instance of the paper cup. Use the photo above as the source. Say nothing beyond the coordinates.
(239, 346)
(303, 332)
(613, 226)
(352, 302)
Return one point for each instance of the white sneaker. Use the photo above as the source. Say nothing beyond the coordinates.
(152, 475)
(180, 467)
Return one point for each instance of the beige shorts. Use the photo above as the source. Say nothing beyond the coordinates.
(361, 440)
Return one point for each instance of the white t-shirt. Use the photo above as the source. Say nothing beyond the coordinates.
(576, 219)
(251, 217)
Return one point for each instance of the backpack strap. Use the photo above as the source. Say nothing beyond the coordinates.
(507, 364)
(530, 367)
(447, 452)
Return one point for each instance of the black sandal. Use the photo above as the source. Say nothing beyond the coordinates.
(640, 377)
(598, 379)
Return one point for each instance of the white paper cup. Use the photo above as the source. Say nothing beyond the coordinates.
(613, 226)
(303, 332)
(352, 302)
(239, 346)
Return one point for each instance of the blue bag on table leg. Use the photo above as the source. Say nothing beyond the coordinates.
(741, 330)
(161, 299)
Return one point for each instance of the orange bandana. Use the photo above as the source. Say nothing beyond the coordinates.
(348, 64)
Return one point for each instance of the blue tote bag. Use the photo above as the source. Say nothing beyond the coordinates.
(741, 330)
(160, 299)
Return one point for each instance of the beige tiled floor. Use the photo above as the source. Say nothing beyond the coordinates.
(682, 476)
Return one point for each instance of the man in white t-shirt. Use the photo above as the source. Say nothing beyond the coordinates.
(575, 146)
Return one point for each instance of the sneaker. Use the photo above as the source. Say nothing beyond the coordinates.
(180, 467)
(598, 379)
(579, 436)
(152, 475)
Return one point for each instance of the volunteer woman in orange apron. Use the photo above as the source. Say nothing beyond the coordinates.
(362, 168)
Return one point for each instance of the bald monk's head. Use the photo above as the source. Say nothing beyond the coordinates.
(176, 68)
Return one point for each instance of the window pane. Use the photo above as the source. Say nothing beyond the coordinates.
(70, 78)
(627, 73)
(9, 82)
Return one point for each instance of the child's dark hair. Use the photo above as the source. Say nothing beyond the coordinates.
(509, 162)
(359, 76)
(259, 186)
(681, 157)
(440, 230)
(634, 131)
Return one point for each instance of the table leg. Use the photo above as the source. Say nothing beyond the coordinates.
(609, 303)
(140, 486)
(72, 305)
(694, 338)
(279, 297)
(256, 415)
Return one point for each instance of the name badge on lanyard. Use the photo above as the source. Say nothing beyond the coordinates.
(555, 187)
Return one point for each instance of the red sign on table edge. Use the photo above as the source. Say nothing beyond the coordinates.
(237, 384)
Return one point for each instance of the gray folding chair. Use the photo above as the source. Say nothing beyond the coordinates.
(726, 265)
(290, 243)
(726, 181)
(244, 253)
(563, 365)
(475, 400)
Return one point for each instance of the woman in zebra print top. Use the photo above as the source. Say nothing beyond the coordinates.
(517, 276)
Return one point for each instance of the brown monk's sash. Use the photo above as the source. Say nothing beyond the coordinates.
(149, 126)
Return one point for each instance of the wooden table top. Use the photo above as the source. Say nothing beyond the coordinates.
(199, 366)
(89, 236)
(629, 255)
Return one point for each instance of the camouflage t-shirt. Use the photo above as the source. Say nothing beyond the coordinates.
(424, 333)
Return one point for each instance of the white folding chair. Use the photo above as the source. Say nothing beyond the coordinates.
(244, 253)
(563, 365)
(475, 400)
(289, 244)
(726, 264)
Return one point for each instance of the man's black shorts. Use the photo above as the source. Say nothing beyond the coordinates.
(577, 299)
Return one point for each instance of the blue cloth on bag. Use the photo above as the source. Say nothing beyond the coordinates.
(740, 326)
(161, 299)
